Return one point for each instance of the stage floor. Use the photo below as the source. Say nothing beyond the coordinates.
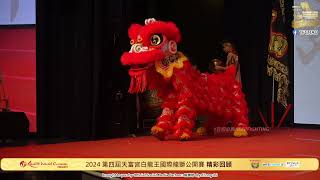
(275, 143)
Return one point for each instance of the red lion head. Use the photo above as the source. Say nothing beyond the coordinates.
(150, 43)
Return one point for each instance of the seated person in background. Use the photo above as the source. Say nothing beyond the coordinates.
(232, 59)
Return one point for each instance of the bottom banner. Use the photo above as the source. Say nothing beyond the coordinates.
(159, 164)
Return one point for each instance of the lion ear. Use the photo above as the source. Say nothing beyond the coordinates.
(133, 30)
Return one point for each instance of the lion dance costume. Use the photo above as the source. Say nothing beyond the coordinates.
(156, 64)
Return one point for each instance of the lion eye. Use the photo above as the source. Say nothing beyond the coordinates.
(156, 39)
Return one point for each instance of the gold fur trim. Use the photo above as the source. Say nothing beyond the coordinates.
(185, 137)
(166, 67)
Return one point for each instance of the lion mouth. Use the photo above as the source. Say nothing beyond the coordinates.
(140, 67)
(140, 64)
(141, 59)
(138, 75)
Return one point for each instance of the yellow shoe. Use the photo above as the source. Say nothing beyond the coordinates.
(158, 132)
(185, 137)
(202, 131)
(240, 132)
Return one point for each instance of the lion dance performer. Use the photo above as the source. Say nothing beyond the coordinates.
(156, 64)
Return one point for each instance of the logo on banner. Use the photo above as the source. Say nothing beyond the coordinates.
(255, 164)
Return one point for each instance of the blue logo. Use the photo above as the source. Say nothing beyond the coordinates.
(294, 32)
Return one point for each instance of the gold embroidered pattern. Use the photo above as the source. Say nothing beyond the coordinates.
(280, 73)
(166, 66)
(278, 44)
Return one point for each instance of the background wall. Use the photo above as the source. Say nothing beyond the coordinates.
(201, 24)
(18, 68)
(78, 59)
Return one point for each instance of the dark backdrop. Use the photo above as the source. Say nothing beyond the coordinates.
(247, 25)
(79, 42)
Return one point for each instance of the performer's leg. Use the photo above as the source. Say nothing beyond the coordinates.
(240, 112)
(208, 126)
(166, 121)
(241, 127)
(164, 124)
(185, 116)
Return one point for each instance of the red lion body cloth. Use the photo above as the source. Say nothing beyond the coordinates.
(156, 64)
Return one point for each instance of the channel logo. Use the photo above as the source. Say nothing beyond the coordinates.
(292, 164)
(306, 32)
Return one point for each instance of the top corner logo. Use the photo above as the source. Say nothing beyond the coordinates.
(305, 16)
